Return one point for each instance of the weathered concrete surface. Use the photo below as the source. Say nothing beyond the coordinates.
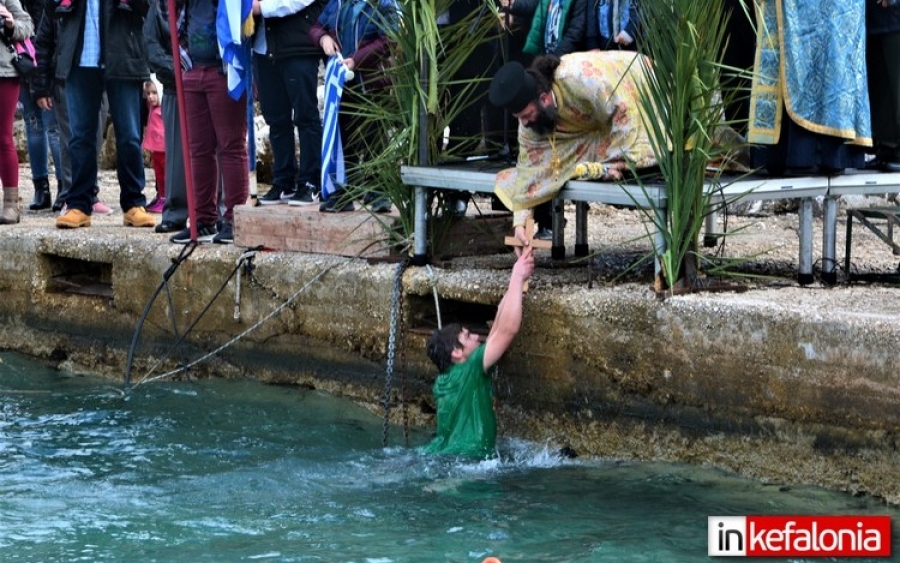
(787, 384)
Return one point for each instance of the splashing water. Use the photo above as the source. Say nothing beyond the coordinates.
(238, 471)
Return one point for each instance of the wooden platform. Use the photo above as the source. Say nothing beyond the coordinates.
(359, 233)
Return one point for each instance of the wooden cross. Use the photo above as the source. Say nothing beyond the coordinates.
(529, 234)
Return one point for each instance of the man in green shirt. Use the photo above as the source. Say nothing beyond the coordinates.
(466, 423)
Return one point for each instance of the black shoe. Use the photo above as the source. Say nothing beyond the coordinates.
(41, 201)
(377, 203)
(41, 195)
(305, 195)
(169, 227)
(543, 234)
(275, 196)
(59, 203)
(334, 204)
(205, 233)
(225, 234)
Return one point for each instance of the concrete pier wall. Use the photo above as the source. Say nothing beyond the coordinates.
(790, 385)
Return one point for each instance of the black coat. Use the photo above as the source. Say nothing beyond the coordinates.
(159, 45)
(42, 80)
(123, 53)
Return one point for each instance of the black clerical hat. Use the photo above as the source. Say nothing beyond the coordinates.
(513, 87)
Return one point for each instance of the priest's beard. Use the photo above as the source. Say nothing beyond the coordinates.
(544, 122)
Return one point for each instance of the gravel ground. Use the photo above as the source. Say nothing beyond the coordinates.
(765, 245)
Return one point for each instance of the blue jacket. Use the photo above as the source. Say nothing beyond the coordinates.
(600, 34)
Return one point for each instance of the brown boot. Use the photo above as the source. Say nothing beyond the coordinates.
(10, 214)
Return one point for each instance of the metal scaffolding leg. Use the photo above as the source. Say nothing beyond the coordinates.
(711, 234)
(420, 245)
(829, 241)
(659, 239)
(558, 250)
(805, 275)
(581, 238)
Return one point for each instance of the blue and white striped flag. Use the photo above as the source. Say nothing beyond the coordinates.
(234, 26)
(333, 173)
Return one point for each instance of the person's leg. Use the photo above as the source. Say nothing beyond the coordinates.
(52, 127)
(276, 108)
(890, 130)
(35, 135)
(36, 138)
(84, 91)
(158, 159)
(125, 110)
(202, 142)
(175, 212)
(64, 179)
(300, 76)
(9, 159)
(230, 128)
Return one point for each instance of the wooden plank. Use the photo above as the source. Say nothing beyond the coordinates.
(306, 229)
(358, 233)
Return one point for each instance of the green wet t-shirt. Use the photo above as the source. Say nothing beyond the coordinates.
(466, 423)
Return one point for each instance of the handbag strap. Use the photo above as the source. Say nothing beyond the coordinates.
(7, 41)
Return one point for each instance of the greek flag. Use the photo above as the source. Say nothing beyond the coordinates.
(234, 25)
(333, 172)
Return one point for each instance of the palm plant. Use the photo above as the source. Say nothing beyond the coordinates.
(683, 103)
(414, 112)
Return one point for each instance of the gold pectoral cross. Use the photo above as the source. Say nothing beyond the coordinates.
(555, 163)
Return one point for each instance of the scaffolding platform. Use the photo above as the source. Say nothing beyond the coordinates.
(881, 221)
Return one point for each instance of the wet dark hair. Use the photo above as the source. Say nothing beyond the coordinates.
(441, 344)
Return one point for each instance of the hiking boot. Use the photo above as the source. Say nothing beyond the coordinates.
(205, 233)
(305, 195)
(275, 196)
(73, 219)
(225, 234)
(336, 204)
(138, 217)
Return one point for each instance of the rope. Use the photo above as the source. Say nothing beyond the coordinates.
(437, 304)
(276, 311)
(182, 257)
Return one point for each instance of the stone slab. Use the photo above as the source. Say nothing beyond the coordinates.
(305, 229)
(359, 233)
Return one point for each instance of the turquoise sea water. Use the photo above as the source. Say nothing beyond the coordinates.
(226, 471)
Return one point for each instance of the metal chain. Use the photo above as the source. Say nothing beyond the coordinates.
(396, 303)
(404, 406)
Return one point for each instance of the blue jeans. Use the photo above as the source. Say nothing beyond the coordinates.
(84, 92)
(287, 98)
(41, 132)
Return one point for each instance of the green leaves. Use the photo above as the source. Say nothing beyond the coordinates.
(425, 60)
(683, 104)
